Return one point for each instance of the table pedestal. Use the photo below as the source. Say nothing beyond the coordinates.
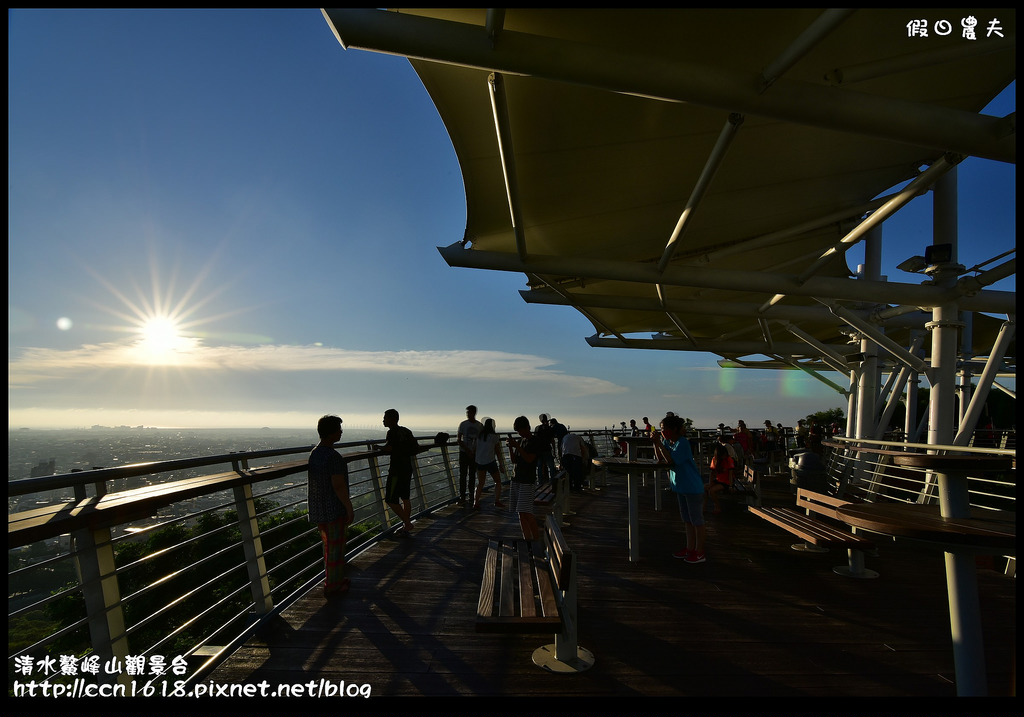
(633, 470)
(632, 492)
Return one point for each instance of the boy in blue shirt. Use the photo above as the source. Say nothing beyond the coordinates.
(686, 483)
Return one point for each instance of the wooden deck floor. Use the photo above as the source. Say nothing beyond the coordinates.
(757, 619)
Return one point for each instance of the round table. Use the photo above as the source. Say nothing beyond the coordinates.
(960, 532)
(983, 531)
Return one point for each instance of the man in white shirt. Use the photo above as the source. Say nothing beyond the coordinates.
(574, 453)
(468, 431)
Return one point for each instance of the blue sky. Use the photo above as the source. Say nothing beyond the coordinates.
(280, 199)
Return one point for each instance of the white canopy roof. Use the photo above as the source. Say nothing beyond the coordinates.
(699, 174)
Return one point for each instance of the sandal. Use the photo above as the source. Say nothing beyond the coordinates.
(342, 588)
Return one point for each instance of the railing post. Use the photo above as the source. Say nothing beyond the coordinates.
(97, 574)
(448, 469)
(420, 498)
(378, 492)
(256, 564)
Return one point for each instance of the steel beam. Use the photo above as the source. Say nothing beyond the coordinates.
(733, 348)
(725, 138)
(985, 382)
(1001, 302)
(503, 130)
(781, 312)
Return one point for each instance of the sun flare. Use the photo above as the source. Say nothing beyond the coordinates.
(160, 334)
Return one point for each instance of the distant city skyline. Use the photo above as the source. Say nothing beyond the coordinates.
(221, 218)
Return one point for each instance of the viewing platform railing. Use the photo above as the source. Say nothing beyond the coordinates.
(870, 470)
(170, 562)
(167, 563)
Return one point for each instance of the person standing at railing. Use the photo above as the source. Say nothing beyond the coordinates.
(802, 433)
(771, 439)
(684, 478)
(814, 437)
(559, 431)
(466, 437)
(545, 449)
(723, 465)
(330, 505)
(488, 460)
(401, 445)
(745, 438)
(574, 456)
(525, 452)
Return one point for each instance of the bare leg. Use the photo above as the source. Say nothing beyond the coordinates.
(403, 511)
(699, 534)
(691, 537)
(480, 476)
(497, 491)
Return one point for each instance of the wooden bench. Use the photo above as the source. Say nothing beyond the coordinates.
(555, 495)
(748, 486)
(530, 527)
(545, 494)
(818, 535)
(530, 587)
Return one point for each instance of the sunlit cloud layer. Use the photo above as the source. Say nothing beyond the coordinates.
(37, 365)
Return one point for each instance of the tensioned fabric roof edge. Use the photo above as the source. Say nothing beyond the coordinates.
(457, 43)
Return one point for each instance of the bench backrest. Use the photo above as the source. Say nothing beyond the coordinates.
(749, 474)
(559, 554)
(819, 503)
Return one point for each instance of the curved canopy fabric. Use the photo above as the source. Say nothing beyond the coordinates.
(699, 174)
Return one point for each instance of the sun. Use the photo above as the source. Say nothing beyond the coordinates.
(160, 333)
(161, 321)
(161, 340)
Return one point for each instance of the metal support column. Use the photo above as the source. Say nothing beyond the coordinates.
(961, 570)
(255, 563)
(97, 574)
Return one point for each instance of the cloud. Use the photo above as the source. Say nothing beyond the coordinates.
(37, 365)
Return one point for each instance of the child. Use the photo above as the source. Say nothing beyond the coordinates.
(686, 483)
(722, 466)
(524, 452)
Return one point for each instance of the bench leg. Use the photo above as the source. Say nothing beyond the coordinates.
(565, 656)
(806, 547)
(546, 658)
(855, 566)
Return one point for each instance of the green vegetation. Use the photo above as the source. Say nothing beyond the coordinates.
(155, 575)
(827, 418)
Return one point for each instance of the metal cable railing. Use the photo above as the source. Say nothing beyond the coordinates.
(186, 581)
(868, 470)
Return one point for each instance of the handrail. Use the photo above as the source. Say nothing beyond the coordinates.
(839, 440)
(117, 592)
(870, 470)
(24, 486)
